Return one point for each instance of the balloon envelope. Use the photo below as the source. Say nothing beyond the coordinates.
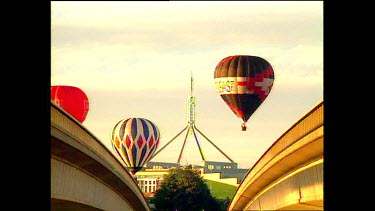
(135, 140)
(243, 82)
(72, 99)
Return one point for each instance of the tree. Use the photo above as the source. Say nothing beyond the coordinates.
(184, 189)
(224, 203)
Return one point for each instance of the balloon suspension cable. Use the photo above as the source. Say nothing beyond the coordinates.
(243, 126)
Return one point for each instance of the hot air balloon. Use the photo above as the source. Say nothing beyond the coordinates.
(244, 82)
(135, 141)
(72, 99)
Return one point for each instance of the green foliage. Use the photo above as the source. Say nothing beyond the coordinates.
(224, 203)
(184, 189)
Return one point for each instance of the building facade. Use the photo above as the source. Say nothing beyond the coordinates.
(152, 176)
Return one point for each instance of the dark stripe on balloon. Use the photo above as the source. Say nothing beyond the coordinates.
(122, 129)
(143, 154)
(146, 131)
(134, 127)
(151, 152)
(134, 153)
(125, 152)
(156, 131)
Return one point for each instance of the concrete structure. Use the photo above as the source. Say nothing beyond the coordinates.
(289, 175)
(85, 175)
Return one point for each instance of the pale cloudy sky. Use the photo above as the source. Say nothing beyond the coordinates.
(134, 59)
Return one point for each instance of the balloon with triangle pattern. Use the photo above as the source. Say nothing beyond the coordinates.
(134, 141)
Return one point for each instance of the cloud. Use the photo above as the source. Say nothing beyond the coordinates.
(128, 43)
(135, 59)
(194, 24)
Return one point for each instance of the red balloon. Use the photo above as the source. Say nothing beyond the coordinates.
(72, 99)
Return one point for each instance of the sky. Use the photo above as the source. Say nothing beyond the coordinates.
(135, 59)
